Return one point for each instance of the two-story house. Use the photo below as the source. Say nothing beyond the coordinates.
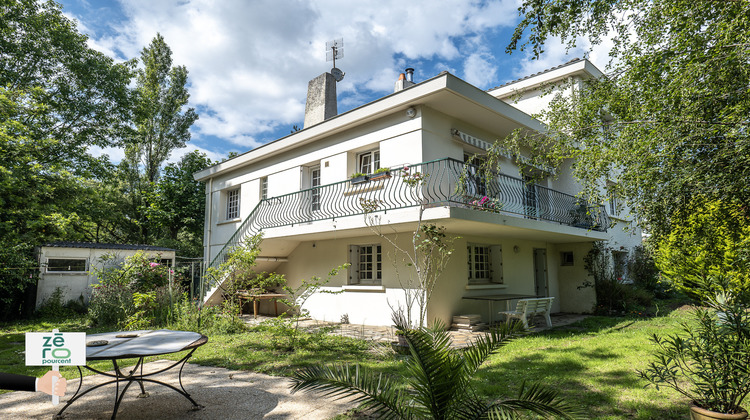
(522, 230)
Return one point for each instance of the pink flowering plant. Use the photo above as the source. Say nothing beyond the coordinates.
(485, 203)
(135, 285)
(412, 177)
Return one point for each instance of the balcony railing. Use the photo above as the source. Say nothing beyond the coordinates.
(445, 182)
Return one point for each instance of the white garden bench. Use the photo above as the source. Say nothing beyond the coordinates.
(527, 308)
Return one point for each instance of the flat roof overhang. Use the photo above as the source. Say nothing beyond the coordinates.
(445, 93)
(458, 221)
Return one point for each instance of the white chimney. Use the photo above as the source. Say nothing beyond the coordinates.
(405, 80)
(321, 100)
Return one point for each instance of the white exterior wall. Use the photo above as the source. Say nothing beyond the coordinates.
(396, 136)
(402, 140)
(533, 101)
(77, 284)
(371, 305)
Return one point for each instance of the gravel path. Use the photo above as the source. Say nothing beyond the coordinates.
(226, 394)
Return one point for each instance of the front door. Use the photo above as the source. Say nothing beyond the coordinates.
(540, 272)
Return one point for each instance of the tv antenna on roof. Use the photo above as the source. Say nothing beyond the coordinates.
(334, 50)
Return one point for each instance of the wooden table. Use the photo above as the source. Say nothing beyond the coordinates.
(257, 297)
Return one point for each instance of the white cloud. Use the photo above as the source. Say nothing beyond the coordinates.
(249, 62)
(177, 154)
(115, 154)
(479, 70)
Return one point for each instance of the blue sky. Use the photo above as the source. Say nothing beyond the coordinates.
(249, 61)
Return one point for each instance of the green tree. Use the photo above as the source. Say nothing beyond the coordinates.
(670, 119)
(160, 95)
(58, 97)
(178, 203)
(160, 127)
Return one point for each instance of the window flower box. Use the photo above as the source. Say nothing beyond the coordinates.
(358, 178)
(380, 174)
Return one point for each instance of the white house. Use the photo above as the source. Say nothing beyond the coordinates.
(67, 266)
(526, 238)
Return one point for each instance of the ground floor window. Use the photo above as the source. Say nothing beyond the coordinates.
(66, 265)
(620, 265)
(366, 264)
(483, 262)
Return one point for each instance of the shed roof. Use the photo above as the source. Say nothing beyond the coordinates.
(99, 245)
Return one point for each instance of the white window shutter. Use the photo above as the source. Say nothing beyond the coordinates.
(353, 264)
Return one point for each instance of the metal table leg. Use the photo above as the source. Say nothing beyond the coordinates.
(130, 377)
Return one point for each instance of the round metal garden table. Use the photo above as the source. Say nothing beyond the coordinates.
(121, 345)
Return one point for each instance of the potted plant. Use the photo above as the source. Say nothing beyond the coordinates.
(358, 178)
(710, 362)
(581, 217)
(401, 345)
(380, 173)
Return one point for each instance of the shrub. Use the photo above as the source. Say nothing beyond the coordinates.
(188, 316)
(642, 270)
(708, 240)
(133, 293)
(708, 362)
(53, 307)
(19, 272)
(608, 288)
(111, 304)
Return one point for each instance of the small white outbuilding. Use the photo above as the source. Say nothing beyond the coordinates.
(68, 265)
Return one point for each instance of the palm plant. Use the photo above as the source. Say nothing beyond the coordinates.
(439, 381)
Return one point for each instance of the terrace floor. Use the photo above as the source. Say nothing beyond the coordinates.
(387, 333)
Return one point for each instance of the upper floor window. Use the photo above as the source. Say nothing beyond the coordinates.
(264, 188)
(366, 264)
(368, 162)
(233, 204)
(476, 184)
(66, 264)
(613, 202)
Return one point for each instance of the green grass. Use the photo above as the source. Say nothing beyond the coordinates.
(592, 363)
(251, 350)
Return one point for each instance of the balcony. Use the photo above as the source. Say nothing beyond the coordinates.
(445, 182)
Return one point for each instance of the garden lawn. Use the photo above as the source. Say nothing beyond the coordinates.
(254, 349)
(592, 364)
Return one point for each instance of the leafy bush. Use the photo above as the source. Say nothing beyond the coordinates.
(133, 293)
(54, 308)
(708, 240)
(287, 334)
(111, 304)
(154, 308)
(642, 270)
(188, 316)
(608, 288)
(613, 297)
(19, 272)
(709, 362)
